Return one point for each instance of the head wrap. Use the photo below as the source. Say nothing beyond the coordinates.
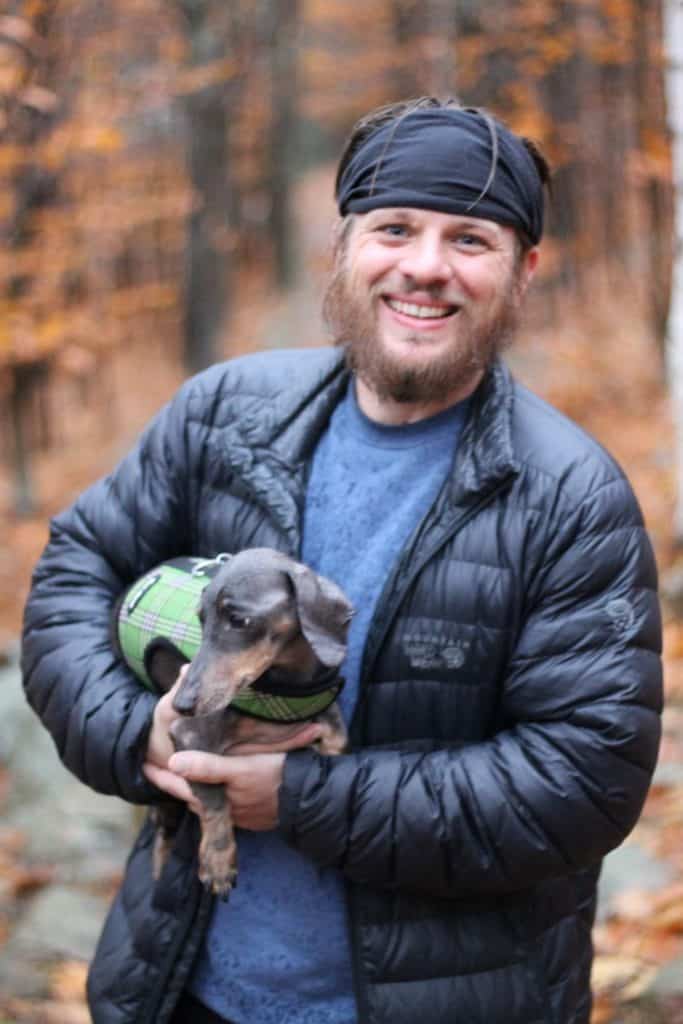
(448, 159)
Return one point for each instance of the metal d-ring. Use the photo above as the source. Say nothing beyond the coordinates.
(201, 566)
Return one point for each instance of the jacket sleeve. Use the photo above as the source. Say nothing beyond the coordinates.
(561, 783)
(97, 713)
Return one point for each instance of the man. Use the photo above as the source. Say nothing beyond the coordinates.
(503, 678)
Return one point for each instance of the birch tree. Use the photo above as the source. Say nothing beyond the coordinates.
(673, 33)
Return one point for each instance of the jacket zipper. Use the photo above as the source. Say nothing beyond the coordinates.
(399, 583)
(388, 608)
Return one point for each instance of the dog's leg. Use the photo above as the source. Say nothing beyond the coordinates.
(166, 818)
(217, 850)
(334, 738)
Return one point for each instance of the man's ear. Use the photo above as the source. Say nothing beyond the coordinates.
(528, 269)
(341, 230)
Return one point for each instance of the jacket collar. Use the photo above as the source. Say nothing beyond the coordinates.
(270, 451)
(485, 456)
(272, 456)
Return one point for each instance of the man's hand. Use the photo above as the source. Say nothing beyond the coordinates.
(252, 783)
(252, 775)
(159, 745)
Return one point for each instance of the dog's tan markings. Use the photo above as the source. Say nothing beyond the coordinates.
(334, 739)
(217, 852)
(297, 654)
(230, 674)
(255, 730)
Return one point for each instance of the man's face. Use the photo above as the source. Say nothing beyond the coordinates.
(422, 300)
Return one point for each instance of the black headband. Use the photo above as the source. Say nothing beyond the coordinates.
(441, 158)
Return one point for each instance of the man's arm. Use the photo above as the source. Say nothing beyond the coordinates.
(562, 783)
(98, 714)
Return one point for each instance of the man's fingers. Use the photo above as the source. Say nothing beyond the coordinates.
(303, 738)
(201, 767)
(169, 782)
(252, 782)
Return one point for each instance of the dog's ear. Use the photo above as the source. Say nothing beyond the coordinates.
(324, 613)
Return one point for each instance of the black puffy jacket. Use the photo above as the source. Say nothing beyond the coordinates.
(507, 726)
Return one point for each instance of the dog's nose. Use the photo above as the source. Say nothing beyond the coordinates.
(185, 699)
(183, 703)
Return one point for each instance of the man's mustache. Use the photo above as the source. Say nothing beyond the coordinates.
(406, 286)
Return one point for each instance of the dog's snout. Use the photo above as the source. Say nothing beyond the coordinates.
(183, 703)
(185, 699)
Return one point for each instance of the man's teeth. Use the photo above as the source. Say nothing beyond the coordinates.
(422, 312)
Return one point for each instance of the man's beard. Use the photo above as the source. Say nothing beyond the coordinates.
(352, 324)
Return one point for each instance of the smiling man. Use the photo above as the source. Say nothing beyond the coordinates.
(503, 682)
(422, 301)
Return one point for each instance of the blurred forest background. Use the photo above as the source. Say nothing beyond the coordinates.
(166, 174)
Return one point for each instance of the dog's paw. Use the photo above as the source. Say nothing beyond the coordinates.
(218, 864)
(220, 879)
(332, 745)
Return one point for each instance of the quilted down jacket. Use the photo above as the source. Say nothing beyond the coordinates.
(508, 722)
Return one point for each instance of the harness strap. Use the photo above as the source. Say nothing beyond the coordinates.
(160, 611)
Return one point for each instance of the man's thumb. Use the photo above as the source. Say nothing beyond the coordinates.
(198, 766)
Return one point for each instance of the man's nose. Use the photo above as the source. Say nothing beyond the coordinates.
(426, 262)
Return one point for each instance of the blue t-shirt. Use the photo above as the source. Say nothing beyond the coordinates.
(279, 951)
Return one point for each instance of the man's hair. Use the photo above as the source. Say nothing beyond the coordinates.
(393, 113)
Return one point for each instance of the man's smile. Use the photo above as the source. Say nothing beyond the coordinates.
(420, 310)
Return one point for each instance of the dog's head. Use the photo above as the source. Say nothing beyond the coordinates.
(263, 610)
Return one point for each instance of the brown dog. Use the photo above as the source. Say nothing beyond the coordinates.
(273, 635)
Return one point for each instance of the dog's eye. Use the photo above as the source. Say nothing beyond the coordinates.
(238, 621)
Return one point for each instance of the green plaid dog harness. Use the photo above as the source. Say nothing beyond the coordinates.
(160, 609)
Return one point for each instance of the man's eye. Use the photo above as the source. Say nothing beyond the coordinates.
(395, 230)
(468, 241)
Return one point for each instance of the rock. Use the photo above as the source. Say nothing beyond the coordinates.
(669, 979)
(83, 835)
(668, 774)
(86, 835)
(630, 867)
(60, 923)
(671, 589)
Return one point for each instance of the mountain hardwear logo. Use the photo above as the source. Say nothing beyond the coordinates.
(622, 614)
(430, 654)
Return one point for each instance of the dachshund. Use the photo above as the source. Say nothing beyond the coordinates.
(273, 635)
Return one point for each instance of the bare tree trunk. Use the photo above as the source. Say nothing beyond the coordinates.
(283, 137)
(591, 114)
(406, 21)
(440, 18)
(25, 116)
(673, 38)
(212, 29)
(648, 89)
(431, 66)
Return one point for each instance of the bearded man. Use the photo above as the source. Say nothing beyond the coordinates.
(502, 678)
